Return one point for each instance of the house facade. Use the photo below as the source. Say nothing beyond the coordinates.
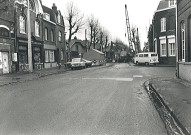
(163, 32)
(78, 47)
(45, 29)
(183, 38)
(6, 37)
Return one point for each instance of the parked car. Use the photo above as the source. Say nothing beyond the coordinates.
(146, 58)
(77, 63)
(88, 62)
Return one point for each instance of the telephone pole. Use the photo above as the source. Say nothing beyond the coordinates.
(29, 38)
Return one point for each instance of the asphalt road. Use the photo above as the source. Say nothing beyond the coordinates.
(94, 101)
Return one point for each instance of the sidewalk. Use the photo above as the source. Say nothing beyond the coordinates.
(22, 77)
(176, 95)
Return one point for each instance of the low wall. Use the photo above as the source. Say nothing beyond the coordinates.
(185, 71)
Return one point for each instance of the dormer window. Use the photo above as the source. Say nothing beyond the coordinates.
(171, 3)
(46, 16)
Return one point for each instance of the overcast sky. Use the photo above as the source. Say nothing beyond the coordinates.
(111, 14)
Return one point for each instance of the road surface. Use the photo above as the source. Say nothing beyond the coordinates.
(94, 101)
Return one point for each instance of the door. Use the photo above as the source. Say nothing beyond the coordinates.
(5, 61)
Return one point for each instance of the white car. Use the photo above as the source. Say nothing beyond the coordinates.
(88, 62)
(77, 63)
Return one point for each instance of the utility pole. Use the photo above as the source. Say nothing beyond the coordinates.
(29, 38)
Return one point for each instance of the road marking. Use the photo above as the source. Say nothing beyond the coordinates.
(114, 79)
(137, 76)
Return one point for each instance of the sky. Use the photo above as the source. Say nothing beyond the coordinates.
(111, 14)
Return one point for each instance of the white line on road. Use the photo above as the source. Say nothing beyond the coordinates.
(115, 79)
(137, 76)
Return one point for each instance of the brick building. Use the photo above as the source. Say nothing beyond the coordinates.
(6, 36)
(164, 29)
(47, 36)
(183, 38)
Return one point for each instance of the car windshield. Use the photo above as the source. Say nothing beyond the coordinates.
(76, 60)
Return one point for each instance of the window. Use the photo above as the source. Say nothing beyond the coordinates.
(46, 56)
(171, 46)
(163, 49)
(60, 36)
(153, 55)
(163, 46)
(52, 35)
(146, 55)
(4, 32)
(37, 29)
(171, 49)
(49, 56)
(59, 18)
(163, 24)
(183, 40)
(46, 16)
(140, 55)
(171, 3)
(46, 33)
(22, 23)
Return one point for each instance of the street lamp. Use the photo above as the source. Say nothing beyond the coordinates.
(23, 3)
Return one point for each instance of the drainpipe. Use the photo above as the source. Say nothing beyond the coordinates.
(177, 64)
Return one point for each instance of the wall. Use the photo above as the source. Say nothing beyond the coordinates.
(170, 30)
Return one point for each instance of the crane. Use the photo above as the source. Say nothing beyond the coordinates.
(129, 30)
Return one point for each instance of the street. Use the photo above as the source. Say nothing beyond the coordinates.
(107, 100)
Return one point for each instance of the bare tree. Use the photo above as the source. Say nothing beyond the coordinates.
(75, 22)
(94, 28)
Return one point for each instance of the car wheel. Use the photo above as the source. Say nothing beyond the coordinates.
(146, 63)
(137, 63)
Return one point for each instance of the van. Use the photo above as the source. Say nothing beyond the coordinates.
(147, 58)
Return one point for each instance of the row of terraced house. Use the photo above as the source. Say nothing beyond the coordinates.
(47, 36)
(170, 35)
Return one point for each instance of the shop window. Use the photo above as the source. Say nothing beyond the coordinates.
(46, 56)
(37, 56)
(51, 53)
(49, 56)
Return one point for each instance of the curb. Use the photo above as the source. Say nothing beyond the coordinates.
(172, 124)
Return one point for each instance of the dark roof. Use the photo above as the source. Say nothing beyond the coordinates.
(73, 41)
(50, 12)
(163, 4)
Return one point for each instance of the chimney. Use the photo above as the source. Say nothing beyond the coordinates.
(54, 7)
